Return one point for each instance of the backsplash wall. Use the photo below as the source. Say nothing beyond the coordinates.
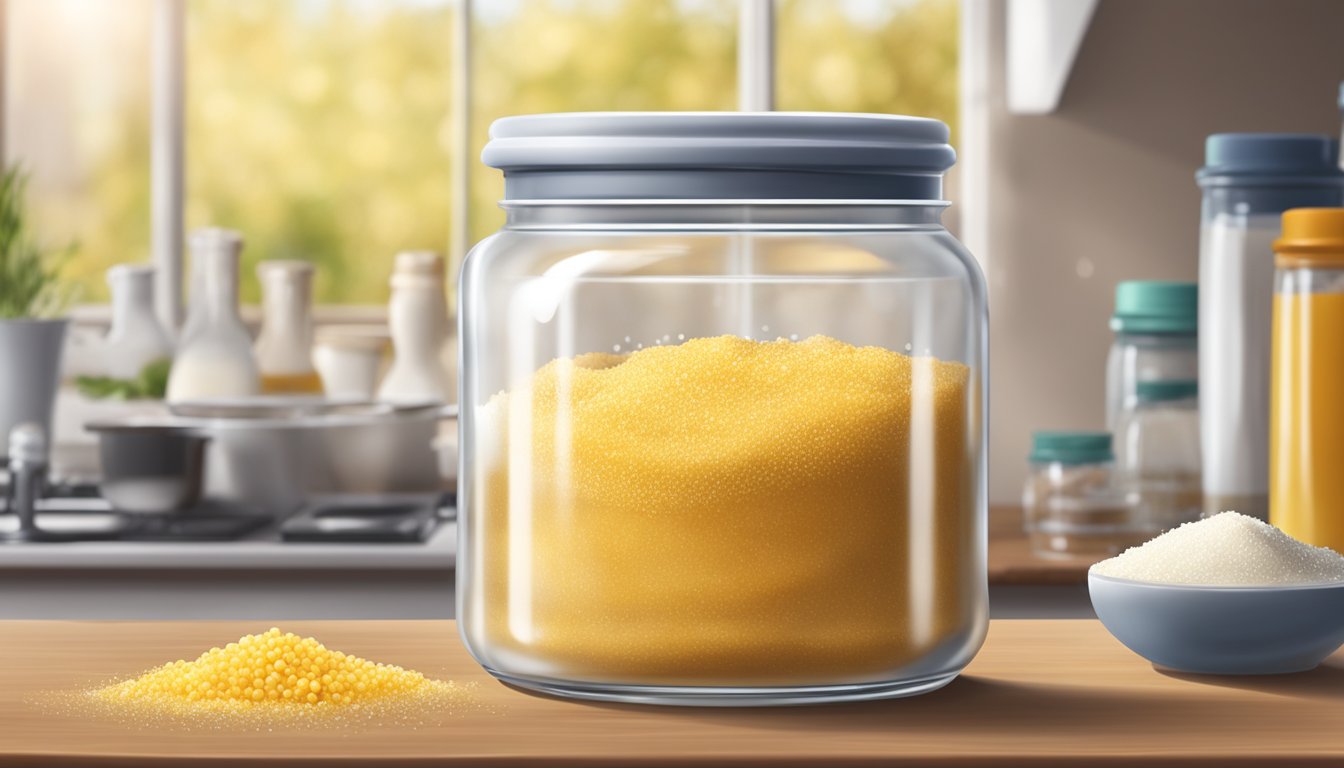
(1103, 189)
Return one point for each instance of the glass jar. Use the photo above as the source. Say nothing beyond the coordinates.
(1307, 437)
(723, 404)
(1249, 180)
(1159, 455)
(1155, 324)
(1070, 505)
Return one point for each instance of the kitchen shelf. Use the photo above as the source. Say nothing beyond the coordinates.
(1043, 38)
(1040, 692)
(1011, 562)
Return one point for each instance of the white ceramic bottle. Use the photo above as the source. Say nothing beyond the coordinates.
(135, 338)
(214, 359)
(418, 319)
(284, 347)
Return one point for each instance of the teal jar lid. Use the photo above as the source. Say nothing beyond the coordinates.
(1164, 391)
(1071, 447)
(1156, 306)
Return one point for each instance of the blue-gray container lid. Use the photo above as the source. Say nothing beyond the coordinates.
(1071, 447)
(1270, 158)
(720, 156)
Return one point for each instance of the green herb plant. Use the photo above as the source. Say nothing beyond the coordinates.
(30, 281)
(152, 383)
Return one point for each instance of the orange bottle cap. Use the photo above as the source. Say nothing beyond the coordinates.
(1311, 236)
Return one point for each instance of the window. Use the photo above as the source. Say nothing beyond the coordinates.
(329, 130)
(320, 130)
(76, 117)
(594, 55)
(890, 56)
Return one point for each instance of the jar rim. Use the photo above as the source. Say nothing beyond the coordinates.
(695, 155)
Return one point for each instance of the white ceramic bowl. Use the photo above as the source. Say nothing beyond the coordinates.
(1222, 630)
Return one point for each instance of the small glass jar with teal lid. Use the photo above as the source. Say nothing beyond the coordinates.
(1071, 505)
(1156, 325)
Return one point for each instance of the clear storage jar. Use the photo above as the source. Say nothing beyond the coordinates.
(1249, 180)
(1071, 507)
(1307, 437)
(723, 404)
(1156, 338)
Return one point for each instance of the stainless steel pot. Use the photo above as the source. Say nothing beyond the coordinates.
(278, 454)
(150, 466)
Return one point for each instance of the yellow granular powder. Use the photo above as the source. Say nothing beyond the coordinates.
(727, 511)
(272, 672)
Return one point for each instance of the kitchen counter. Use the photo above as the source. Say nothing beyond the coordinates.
(1040, 692)
(261, 578)
(263, 552)
(255, 578)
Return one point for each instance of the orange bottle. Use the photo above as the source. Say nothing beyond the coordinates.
(1306, 472)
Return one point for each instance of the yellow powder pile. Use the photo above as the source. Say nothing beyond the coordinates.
(726, 511)
(273, 672)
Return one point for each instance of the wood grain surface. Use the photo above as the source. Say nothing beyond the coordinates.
(1043, 692)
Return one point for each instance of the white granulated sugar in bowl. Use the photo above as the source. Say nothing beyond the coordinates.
(1226, 550)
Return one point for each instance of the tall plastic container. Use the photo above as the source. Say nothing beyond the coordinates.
(1307, 445)
(1156, 339)
(722, 411)
(1249, 180)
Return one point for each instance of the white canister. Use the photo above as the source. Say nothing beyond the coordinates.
(135, 338)
(284, 348)
(418, 320)
(349, 359)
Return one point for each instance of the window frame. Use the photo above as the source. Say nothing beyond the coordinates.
(756, 65)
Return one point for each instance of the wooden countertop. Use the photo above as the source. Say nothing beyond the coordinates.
(1012, 563)
(1040, 692)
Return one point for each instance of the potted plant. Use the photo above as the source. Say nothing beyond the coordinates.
(31, 333)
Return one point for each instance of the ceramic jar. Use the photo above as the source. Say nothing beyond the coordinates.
(418, 320)
(284, 348)
(135, 338)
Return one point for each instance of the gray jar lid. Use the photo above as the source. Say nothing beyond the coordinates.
(719, 155)
(1268, 159)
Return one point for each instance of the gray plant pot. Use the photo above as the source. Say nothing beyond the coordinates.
(30, 372)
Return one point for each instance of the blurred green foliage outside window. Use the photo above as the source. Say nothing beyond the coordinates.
(322, 128)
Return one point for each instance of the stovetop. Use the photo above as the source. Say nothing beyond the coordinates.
(77, 513)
